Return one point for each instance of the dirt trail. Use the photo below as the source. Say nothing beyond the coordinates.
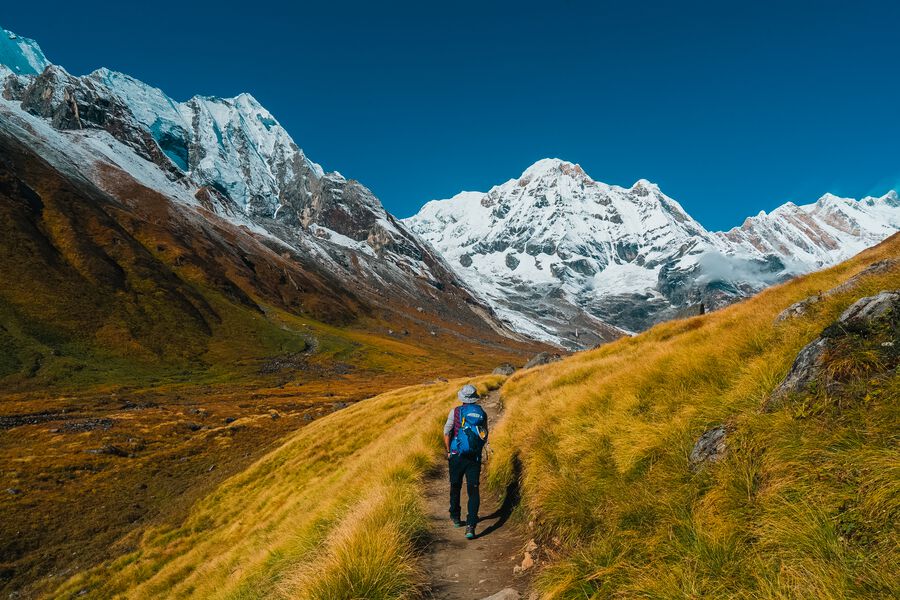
(462, 569)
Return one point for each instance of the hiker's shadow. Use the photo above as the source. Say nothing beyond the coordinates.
(510, 501)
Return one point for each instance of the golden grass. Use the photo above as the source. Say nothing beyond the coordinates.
(805, 504)
(335, 512)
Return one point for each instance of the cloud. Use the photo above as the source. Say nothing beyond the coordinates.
(715, 266)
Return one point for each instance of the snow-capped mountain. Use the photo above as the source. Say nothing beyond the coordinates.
(559, 256)
(228, 159)
(555, 251)
(815, 235)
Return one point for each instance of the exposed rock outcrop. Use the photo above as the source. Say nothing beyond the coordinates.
(871, 308)
(798, 309)
(802, 307)
(808, 370)
(709, 448)
(542, 358)
(504, 369)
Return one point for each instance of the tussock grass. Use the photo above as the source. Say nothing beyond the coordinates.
(805, 503)
(335, 512)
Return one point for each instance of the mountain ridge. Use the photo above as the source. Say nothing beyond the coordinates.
(597, 250)
(556, 255)
(232, 158)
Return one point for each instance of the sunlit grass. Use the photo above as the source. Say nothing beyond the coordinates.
(805, 503)
(335, 512)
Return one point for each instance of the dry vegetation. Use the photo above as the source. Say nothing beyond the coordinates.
(90, 460)
(805, 503)
(335, 512)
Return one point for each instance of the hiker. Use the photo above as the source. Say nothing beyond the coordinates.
(465, 434)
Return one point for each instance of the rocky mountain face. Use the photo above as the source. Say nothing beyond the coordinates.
(556, 255)
(226, 165)
(568, 259)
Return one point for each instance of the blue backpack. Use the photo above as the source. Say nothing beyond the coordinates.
(472, 433)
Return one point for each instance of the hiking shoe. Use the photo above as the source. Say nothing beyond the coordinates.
(470, 532)
(457, 523)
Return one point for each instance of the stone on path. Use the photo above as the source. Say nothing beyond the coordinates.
(505, 594)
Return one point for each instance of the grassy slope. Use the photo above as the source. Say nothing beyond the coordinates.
(335, 512)
(75, 341)
(805, 504)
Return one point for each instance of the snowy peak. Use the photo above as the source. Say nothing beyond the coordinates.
(234, 149)
(552, 168)
(554, 248)
(21, 55)
(815, 235)
(556, 206)
(557, 236)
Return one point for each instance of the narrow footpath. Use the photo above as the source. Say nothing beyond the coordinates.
(462, 569)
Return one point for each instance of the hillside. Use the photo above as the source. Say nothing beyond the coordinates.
(799, 501)
(337, 511)
(107, 280)
(664, 466)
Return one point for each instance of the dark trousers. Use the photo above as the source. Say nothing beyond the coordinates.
(470, 468)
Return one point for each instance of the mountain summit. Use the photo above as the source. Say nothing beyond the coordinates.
(20, 55)
(563, 257)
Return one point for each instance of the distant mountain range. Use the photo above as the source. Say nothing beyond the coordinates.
(552, 255)
(562, 257)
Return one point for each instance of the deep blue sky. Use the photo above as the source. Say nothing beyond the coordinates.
(731, 107)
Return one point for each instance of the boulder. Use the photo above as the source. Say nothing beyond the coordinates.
(542, 358)
(504, 369)
(797, 309)
(859, 318)
(709, 448)
(871, 308)
(805, 370)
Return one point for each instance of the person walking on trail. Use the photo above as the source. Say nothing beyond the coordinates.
(465, 434)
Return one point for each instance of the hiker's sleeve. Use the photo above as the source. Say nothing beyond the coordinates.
(448, 426)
